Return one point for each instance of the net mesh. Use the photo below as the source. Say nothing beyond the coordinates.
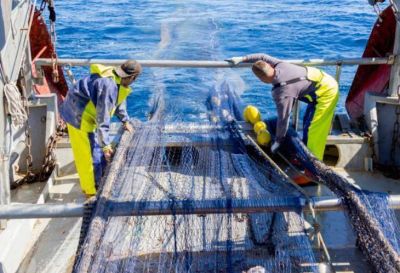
(164, 165)
(374, 222)
(194, 162)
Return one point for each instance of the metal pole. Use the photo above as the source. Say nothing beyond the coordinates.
(338, 73)
(31, 211)
(210, 64)
(4, 154)
(185, 207)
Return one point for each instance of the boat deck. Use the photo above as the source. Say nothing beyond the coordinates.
(55, 247)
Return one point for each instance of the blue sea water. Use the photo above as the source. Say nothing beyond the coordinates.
(210, 30)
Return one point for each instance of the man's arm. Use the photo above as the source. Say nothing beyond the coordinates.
(261, 57)
(123, 116)
(284, 107)
(121, 112)
(106, 98)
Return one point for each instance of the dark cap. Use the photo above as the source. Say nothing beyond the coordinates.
(128, 69)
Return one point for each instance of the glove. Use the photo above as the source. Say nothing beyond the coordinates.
(108, 152)
(128, 126)
(235, 60)
(275, 146)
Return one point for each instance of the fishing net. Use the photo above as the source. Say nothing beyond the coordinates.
(374, 223)
(180, 172)
(179, 167)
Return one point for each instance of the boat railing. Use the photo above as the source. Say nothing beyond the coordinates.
(183, 207)
(338, 63)
(216, 64)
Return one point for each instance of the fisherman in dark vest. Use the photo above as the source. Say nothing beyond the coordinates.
(88, 109)
(291, 82)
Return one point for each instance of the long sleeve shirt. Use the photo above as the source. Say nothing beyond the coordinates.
(284, 96)
(100, 92)
(121, 112)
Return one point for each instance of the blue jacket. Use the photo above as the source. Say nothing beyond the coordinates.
(91, 103)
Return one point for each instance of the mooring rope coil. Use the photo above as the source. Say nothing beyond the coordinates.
(15, 105)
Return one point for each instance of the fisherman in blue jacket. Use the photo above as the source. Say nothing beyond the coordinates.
(88, 109)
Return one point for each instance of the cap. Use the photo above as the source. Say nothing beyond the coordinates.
(128, 69)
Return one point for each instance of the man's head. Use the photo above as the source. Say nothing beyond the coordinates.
(264, 71)
(128, 72)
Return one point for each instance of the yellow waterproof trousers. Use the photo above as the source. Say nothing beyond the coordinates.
(84, 150)
(319, 114)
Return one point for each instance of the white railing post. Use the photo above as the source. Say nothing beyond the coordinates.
(338, 73)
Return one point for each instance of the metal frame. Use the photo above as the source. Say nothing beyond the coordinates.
(177, 207)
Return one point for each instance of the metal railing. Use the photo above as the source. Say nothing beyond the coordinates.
(224, 64)
(214, 64)
(218, 64)
(184, 207)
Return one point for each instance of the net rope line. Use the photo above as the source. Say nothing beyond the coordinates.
(309, 203)
(371, 235)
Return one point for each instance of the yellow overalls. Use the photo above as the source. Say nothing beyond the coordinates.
(89, 159)
(320, 110)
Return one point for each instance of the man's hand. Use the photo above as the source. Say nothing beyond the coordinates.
(128, 126)
(108, 153)
(235, 60)
(275, 146)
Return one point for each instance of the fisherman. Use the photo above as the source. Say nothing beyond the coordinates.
(88, 109)
(291, 82)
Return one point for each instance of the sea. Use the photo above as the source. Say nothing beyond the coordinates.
(210, 30)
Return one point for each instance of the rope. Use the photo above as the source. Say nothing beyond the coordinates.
(15, 105)
(315, 224)
(371, 238)
(70, 75)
